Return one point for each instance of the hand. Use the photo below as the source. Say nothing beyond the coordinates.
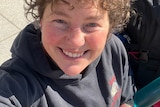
(125, 105)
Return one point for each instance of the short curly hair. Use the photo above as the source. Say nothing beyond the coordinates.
(118, 10)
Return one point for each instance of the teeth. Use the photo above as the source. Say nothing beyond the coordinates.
(73, 55)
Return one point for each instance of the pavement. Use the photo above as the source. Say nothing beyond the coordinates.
(12, 21)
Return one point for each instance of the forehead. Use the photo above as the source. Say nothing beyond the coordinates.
(75, 3)
(81, 2)
(90, 6)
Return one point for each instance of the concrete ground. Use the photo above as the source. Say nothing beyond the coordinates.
(12, 20)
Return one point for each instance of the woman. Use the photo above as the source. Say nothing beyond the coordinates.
(69, 57)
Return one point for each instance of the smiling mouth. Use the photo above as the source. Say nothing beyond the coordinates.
(73, 55)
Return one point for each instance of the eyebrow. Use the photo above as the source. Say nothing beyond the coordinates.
(59, 13)
(91, 17)
(96, 17)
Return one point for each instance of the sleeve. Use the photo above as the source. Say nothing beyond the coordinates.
(9, 102)
(128, 90)
(122, 71)
(7, 98)
(128, 86)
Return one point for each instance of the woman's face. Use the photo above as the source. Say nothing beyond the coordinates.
(74, 38)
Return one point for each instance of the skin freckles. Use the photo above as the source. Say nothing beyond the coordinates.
(74, 38)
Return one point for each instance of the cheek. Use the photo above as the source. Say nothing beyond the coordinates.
(50, 36)
(97, 41)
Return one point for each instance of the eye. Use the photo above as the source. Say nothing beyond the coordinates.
(60, 24)
(60, 21)
(91, 27)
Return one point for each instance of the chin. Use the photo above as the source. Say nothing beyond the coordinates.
(73, 71)
(72, 74)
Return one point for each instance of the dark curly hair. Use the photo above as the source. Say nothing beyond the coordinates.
(118, 10)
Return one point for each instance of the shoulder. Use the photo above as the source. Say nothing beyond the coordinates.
(12, 74)
(10, 82)
(115, 54)
(17, 82)
(115, 45)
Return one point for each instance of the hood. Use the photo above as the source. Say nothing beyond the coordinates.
(28, 47)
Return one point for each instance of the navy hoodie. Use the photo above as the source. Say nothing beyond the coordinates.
(31, 79)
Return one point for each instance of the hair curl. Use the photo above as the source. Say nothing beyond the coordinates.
(118, 10)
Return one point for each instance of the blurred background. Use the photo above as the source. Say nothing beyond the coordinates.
(12, 20)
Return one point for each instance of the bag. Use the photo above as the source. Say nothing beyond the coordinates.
(141, 38)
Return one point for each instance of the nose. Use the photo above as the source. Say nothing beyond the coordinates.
(76, 37)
